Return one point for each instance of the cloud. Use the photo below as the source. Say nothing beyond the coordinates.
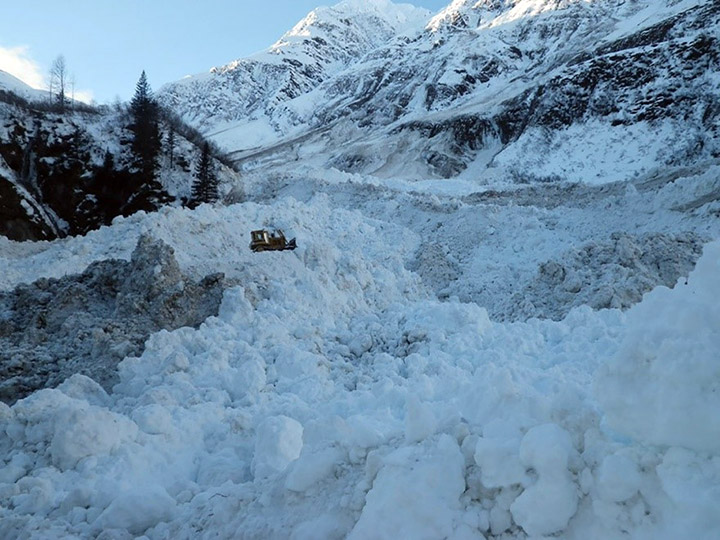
(16, 61)
(86, 96)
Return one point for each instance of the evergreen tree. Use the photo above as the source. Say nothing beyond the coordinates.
(205, 186)
(144, 191)
(146, 133)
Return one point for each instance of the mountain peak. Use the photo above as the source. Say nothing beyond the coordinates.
(323, 43)
(395, 18)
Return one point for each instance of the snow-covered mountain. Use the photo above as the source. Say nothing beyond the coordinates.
(255, 91)
(585, 85)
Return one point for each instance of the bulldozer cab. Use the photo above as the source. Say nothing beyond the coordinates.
(264, 240)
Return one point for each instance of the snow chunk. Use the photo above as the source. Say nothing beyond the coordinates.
(498, 461)
(663, 387)
(87, 432)
(311, 468)
(547, 506)
(415, 495)
(154, 419)
(691, 482)
(279, 443)
(420, 422)
(618, 478)
(137, 510)
(82, 387)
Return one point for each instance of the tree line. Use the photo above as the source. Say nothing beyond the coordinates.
(137, 188)
(146, 145)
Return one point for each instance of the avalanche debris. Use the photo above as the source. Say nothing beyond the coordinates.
(332, 396)
(87, 323)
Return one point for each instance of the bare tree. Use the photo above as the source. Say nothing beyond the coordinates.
(58, 79)
(72, 91)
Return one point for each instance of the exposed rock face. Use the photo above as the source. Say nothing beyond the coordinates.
(87, 323)
(22, 217)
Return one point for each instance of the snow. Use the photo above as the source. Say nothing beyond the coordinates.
(663, 371)
(332, 394)
(436, 359)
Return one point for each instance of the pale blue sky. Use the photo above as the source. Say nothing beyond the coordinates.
(107, 43)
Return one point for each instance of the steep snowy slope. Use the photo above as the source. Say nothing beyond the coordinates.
(247, 98)
(523, 90)
(563, 93)
(10, 83)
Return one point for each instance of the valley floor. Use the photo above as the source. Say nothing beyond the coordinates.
(427, 364)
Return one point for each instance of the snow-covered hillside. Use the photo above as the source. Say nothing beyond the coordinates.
(10, 83)
(68, 172)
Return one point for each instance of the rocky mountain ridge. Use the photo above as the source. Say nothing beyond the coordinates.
(511, 90)
(326, 41)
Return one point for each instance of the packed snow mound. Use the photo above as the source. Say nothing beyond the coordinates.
(615, 274)
(332, 397)
(53, 328)
(663, 386)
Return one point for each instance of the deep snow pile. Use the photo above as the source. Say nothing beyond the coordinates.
(535, 250)
(53, 328)
(332, 397)
(611, 275)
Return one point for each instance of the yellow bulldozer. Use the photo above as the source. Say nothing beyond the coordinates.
(263, 240)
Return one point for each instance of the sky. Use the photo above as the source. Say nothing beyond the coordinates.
(107, 43)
